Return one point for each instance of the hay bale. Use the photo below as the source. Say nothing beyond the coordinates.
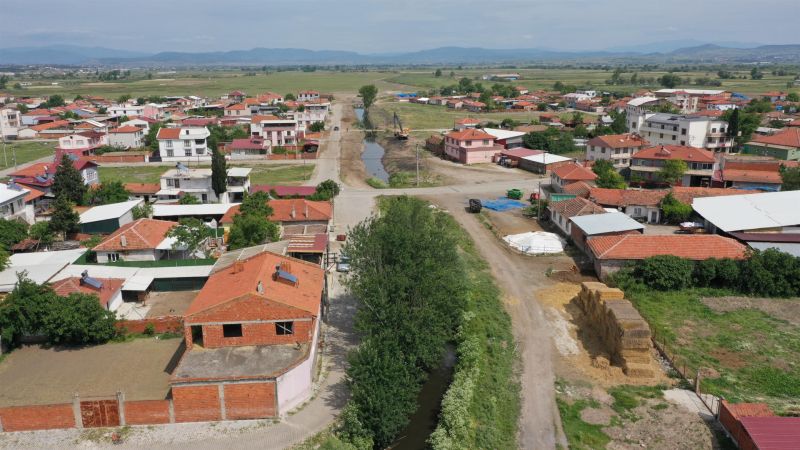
(607, 293)
(639, 371)
(637, 333)
(601, 362)
(633, 343)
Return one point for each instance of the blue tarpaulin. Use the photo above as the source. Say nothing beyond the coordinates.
(503, 204)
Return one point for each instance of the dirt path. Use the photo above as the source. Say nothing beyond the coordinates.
(519, 277)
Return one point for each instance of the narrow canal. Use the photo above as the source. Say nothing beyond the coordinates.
(373, 152)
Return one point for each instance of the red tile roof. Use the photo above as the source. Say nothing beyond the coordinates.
(236, 107)
(688, 194)
(38, 169)
(73, 285)
(141, 234)
(664, 152)
(285, 191)
(574, 172)
(259, 118)
(739, 410)
(579, 188)
(33, 194)
(283, 209)
(577, 206)
(641, 246)
(754, 176)
(788, 137)
(618, 141)
(625, 197)
(142, 188)
(520, 152)
(169, 133)
(51, 125)
(241, 281)
(308, 243)
(126, 129)
(470, 134)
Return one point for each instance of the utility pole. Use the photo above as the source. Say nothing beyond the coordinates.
(417, 154)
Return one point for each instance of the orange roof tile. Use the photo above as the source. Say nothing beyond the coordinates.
(664, 152)
(73, 285)
(618, 141)
(241, 280)
(579, 188)
(641, 246)
(51, 125)
(142, 188)
(470, 134)
(577, 206)
(788, 137)
(625, 197)
(126, 129)
(33, 194)
(739, 410)
(574, 172)
(141, 234)
(688, 194)
(169, 133)
(259, 118)
(304, 210)
(237, 106)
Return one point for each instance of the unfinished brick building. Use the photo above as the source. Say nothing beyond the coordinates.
(251, 336)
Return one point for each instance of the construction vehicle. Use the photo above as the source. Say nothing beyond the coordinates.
(400, 132)
(514, 194)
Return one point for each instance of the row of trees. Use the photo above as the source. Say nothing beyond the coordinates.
(770, 273)
(407, 277)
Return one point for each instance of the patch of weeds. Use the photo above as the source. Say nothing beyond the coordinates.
(376, 183)
(660, 406)
(581, 435)
(627, 398)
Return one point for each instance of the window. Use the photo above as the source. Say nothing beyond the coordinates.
(170, 152)
(674, 137)
(284, 328)
(675, 128)
(603, 150)
(637, 211)
(232, 330)
(713, 130)
(187, 144)
(661, 135)
(683, 131)
(169, 144)
(683, 142)
(112, 257)
(187, 151)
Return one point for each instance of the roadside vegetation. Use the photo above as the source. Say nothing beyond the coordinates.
(261, 173)
(25, 152)
(421, 284)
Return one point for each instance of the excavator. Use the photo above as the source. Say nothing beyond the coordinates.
(400, 132)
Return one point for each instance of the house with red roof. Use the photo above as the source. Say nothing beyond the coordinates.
(140, 240)
(251, 340)
(41, 175)
(570, 173)
(291, 211)
(646, 163)
(248, 148)
(754, 426)
(563, 211)
(467, 122)
(107, 290)
(470, 146)
(611, 253)
(764, 175)
(617, 148)
(126, 137)
(237, 110)
(784, 145)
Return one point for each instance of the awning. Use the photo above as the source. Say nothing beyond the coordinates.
(138, 283)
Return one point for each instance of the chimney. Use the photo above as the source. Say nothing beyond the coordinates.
(306, 209)
(260, 287)
(123, 241)
(293, 212)
(238, 267)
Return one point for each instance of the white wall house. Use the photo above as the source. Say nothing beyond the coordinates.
(279, 131)
(303, 96)
(126, 137)
(10, 122)
(183, 144)
(181, 181)
(125, 110)
(12, 203)
(686, 130)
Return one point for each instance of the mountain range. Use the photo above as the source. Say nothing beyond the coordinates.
(648, 53)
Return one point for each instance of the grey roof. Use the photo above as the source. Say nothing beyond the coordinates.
(110, 211)
(40, 266)
(751, 211)
(606, 223)
(266, 361)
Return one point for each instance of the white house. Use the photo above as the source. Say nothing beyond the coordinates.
(12, 203)
(126, 137)
(141, 240)
(126, 109)
(10, 122)
(279, 131)
(303, 96)
(181, 181)
(687, 131)
(183, 144)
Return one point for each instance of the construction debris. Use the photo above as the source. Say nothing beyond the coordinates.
(623, 331)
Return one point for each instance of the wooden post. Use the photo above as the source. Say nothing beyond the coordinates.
(697, 383)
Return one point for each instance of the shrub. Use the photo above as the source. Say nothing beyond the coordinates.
(149, 329)
(705, 272)
(727, 273)
(666, 272)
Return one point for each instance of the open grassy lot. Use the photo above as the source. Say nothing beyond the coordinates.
(212, 83)
(418, 116)
(25, 152)
(545, 78)
(752, 355)
(261, 174)
(35, 375)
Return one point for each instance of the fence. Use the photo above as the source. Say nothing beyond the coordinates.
(163, 324)
(120, 158)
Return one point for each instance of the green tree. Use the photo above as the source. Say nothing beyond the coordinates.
(675, 211)
(12, 232)
(64, 219)
(42, 232)
(109, 192)
(438, 73)
(289, 97)
(143, 211)
(151, 138)
(665, 272)
(189, 199)
(790, 178)
(368, 94)
(742, 124)
(54, 100)
(607, 176)
(669, 80)
(22, 107)
(23, 310)
(4, 79)
(316, 127)
(327, 190)
(251, 229)
(793, 97)
(219, 173)
(123, 98)
(190, 235)
(673, 171)
(78, 319)
(68, 182)
(756, 74)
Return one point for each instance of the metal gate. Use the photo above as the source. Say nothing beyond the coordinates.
(100, 413)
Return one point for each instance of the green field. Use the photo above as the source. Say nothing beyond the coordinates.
(754, 355)
(261, 174)
(420, 117)
(25, 152)
(213, 83)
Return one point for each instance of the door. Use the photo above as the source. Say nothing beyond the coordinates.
(99, 413)
(653, 216)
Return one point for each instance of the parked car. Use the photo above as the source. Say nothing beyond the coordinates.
(343, 264)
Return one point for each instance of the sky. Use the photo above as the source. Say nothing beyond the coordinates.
(380, 26)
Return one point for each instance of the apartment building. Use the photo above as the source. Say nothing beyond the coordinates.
(617, 148)
(126, 137)
(279, 131)
(182, 181)
(10, 123)
(183, 144)
(687, 131)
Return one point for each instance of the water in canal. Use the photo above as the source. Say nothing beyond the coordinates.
(373, 152)
(424, 420)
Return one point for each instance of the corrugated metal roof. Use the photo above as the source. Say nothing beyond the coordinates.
(110, 211)
(773, 433)
(606, 223)
(751, 212)
(207, 209)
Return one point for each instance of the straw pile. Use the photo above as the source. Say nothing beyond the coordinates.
(625, 335)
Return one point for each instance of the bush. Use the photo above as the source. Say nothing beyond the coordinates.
(705, 272)
(666, 272)
(727, 273)
(149, 329)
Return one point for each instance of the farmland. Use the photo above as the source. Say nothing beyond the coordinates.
(418, 116)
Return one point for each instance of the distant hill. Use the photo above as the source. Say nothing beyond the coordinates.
(712, 53)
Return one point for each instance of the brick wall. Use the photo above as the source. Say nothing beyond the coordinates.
(43, 417)
(147, 412)
(257, 334)
(118, 158)
(196, 403)
(249, 400)
(162, 324)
